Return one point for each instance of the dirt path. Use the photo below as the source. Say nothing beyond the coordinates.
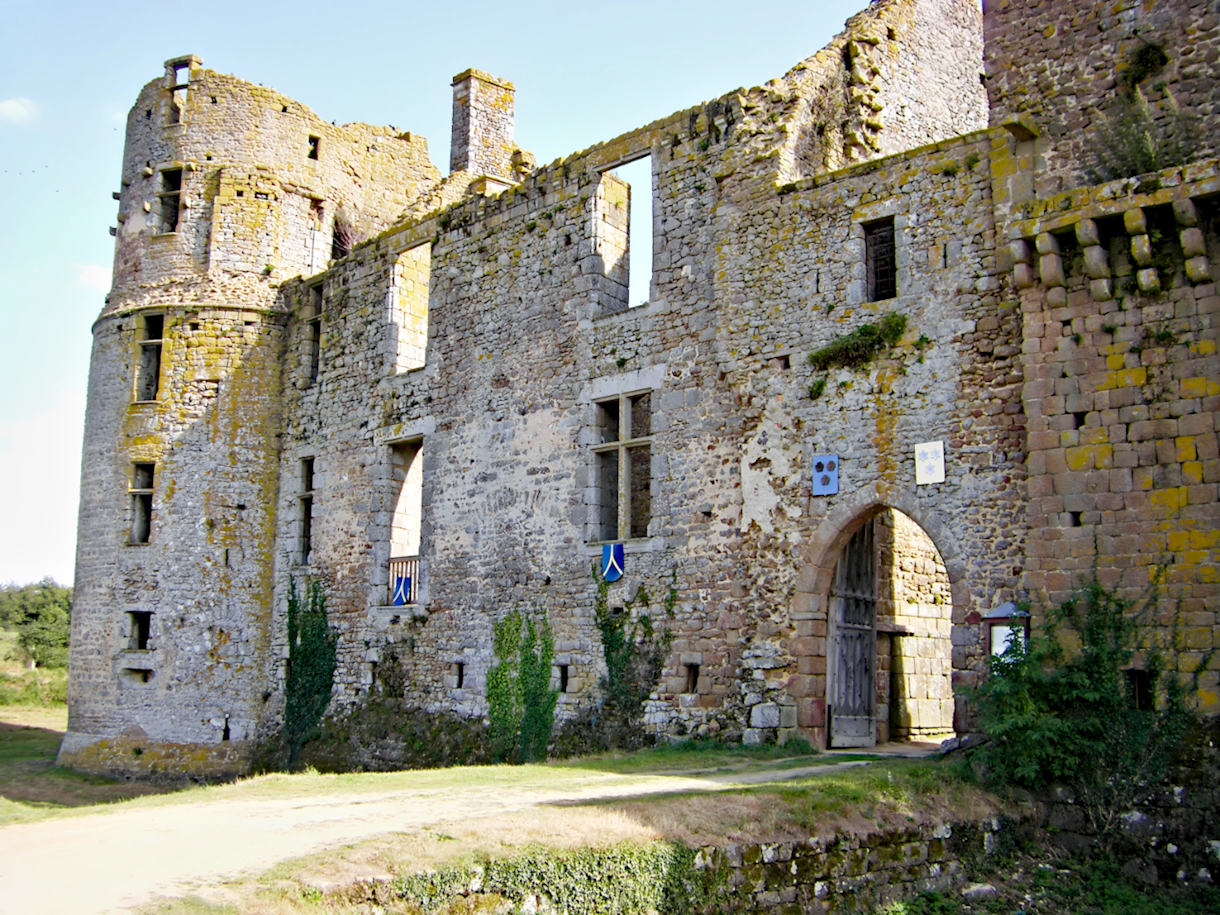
(110, 861)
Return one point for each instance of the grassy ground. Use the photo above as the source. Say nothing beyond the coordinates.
(32, 722)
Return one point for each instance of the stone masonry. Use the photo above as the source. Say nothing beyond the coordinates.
(322, 358)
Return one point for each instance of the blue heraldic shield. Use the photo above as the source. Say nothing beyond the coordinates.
(612, 561)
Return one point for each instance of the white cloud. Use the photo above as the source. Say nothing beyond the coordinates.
(93, 276)
(17, 110)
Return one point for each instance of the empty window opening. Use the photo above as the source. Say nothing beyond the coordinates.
(458, 672)
(314, 143)
(137, 676)
(623, 453)
(306, 510)
(563, 678)
(1074, 519)
(141, 491)
(408, 318)
(151, 329)
(1139, 689)
(780, 363)
(692, 678)
(139, 623)
(406, 480)
(882, 268)
(224, 735)
(1080, 418)
(624, 216)
(313, 333)
(170, 196)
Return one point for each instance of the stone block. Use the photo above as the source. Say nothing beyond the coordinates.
(765, 715)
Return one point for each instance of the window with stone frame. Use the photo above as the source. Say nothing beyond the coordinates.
(305, 510)
(881, 263)
(141, 494)
(151, 330)
(169, 196)
(622, 465)
(314, 311)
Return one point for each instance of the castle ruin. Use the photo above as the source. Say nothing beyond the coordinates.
(322, 358)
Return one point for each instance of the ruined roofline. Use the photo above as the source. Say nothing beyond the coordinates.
(295, 107)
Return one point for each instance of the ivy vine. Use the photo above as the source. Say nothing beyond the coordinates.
(311, 666)
(521, 703)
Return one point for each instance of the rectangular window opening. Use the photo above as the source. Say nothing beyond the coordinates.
(624, 234)
(148, 368)
(408, 318)
(882, 268)
(563, 678)
(313, 358)
(458, 671)
(622, 457)
(314, 143)
(137, 676)
(1139, 689)
(407, 493)
(306, 510)
(170, 196)
(139, 626)
(692, 678)
(141, 491)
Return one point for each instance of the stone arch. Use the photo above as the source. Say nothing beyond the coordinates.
(810, 650)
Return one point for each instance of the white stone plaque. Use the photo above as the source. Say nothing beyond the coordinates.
(929, 463)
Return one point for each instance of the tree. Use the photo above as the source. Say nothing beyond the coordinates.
(39, 614)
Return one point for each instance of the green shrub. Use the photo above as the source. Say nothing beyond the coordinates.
(1055, 715)
(39, 614)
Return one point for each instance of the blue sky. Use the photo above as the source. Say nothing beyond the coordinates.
(584, 72)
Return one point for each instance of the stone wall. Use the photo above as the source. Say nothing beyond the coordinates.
(1121, 395)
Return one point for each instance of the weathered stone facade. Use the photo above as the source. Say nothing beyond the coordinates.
(465, 398)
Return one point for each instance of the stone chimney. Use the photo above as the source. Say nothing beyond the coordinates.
(482, 125)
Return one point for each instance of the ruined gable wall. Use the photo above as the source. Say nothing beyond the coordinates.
(902, 74)
(1062, 65)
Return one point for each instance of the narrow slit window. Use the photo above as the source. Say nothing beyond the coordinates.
(692, 678)
(882, 267)
(139, 623)
(459, 674)
(313, 334)
(314, 144)
(148, 368)
(170, 196)
(306, 510)
(141, 492)
(563, 678)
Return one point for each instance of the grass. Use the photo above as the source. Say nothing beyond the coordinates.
(889, 792)
(695, 755)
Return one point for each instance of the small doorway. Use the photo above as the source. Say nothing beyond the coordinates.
(851, 707)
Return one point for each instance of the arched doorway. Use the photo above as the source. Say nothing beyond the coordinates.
(889, 621)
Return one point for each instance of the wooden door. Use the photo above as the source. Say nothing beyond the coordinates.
(852, 690)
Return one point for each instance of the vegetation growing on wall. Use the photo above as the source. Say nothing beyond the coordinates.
(858, 349)
(521, 704)
(1130, 139)
(1079, 715)
(311, 666)
(634, 651)
(658, 877)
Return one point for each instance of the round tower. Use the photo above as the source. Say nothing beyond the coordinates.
(227, 189)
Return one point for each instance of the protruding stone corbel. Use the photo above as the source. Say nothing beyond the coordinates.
(1022, 273)
(1050, 268)
(1194, 245)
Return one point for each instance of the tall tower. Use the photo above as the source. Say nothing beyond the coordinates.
(227, 189)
